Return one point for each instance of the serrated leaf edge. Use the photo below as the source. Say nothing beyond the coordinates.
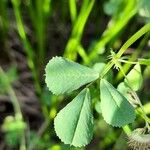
(46, 79)
(75, 129)
(117, 105)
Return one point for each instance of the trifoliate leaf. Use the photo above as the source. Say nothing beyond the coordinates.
(134, 78)
(116, 110)
(64, 76)
(74, 123)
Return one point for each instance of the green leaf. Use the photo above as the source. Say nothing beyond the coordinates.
(64, 76)
(134, 78)
(116, 110)
(126, 91)
(98, 107)
(99, 67)
(9, 76)
(74, 123)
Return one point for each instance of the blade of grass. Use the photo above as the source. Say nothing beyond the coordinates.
(40, 30)
(39, 17)
(73, 10)
(4, 18)
(27, 46)
(77, 31)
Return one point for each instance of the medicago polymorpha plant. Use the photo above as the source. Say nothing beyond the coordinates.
(74, 123)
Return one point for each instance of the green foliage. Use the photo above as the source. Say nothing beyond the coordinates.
(64, 76)
(98, 67)
(125, 90)
(35, 23)
(13, 128)
(111, 7)
(134, 78)
(144, 10)
(74, 123)
(12, 124)
(116, 109)
(11, 77)
(79, 21)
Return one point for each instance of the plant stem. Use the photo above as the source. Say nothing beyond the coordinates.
(23, 143)
(127, 130)
(126, 61)
(73, 10)
(40, 31)
(4, 18)
(133, 56)
(131, 40)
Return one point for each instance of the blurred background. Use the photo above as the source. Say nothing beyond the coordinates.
(31, 33)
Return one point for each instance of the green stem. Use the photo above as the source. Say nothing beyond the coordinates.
(73, 10)
(83, 54)
(40, 30)
(127, 62)
(136, 36)
(133, 57)
(127, 129)
(131, 40)
(4, 18)
(23, 143)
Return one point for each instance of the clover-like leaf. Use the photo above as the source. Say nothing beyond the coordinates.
(74, 123)
(134, 78)
(116, 110)
(64, 76)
